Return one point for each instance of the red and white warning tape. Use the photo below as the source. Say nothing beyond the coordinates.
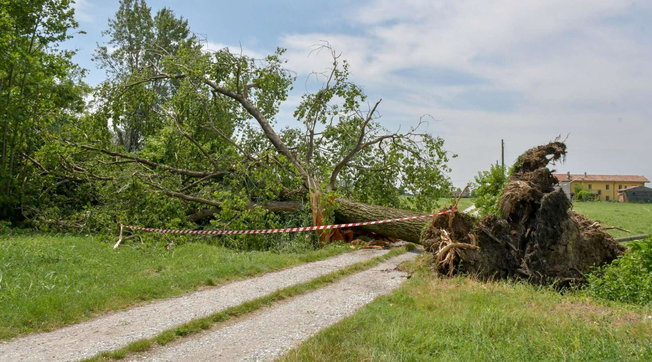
(285, 230)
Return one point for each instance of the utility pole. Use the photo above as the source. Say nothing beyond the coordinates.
(502, 153)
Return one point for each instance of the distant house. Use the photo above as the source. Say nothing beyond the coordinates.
(635, 194)
(604, 187)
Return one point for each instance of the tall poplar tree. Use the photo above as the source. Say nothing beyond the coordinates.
(137, 43)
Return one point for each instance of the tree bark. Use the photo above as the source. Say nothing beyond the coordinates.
(347, 211)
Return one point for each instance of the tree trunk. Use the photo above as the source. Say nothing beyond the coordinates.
(347, 211)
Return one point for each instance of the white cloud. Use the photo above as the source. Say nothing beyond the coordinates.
(551, 68)
(81, 11)
(237, 49)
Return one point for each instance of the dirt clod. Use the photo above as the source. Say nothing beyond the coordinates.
(537, 237)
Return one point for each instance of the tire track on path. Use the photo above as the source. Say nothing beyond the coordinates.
(272, 332)
(117, 329)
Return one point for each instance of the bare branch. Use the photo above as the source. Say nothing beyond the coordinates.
(180, 195)
(271, 134)
(318, 107)
(195, 183)
(275, 206)
(153, 78)
(34, 161)
(360, 145)
(70, 167)
(192, 140)
(179, 171)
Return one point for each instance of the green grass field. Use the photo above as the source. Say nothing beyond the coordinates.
(47, 281)
(636, 218)
(465, 320)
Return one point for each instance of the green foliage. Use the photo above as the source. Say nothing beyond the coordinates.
(581, 194)
(627, 279)
(40, 92)
(136, 48)
(489, 188)
(176, 121)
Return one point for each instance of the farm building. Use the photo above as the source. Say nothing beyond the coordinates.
(635, 194)
(604, 187)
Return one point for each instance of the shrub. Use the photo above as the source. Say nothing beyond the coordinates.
(583, 195)
(628, 279)
(490, 187)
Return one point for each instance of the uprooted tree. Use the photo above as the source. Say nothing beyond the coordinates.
(534, 236)
(200, 127)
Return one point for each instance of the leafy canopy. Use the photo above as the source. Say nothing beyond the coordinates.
(40, 93)
(490, 185)
(180, 136)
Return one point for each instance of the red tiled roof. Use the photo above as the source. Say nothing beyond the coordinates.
(563, 177)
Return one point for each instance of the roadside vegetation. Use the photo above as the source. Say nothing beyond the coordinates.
(431, 318)
(628, 279)
(47, 281)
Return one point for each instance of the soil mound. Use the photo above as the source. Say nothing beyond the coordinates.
(537, 237)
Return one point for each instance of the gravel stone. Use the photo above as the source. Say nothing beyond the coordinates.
(272, 332)
(115, 330)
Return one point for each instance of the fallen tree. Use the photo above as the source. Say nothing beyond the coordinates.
(537, 237)
(203, 132)
(218, 155)
(347, 211)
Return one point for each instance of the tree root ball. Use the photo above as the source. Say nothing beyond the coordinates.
(537, 237)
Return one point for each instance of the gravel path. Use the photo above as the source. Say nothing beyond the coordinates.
(274, 331)
(118, 329)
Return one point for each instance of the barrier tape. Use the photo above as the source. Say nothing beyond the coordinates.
(285, 230)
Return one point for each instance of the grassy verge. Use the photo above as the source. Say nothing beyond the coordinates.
(461, 319)
(462, 204)
(47, 281)
(636, 218)
(200, 324)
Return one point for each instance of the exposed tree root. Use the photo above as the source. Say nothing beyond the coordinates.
(538, 237)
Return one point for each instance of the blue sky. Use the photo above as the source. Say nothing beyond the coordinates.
(521, 70)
